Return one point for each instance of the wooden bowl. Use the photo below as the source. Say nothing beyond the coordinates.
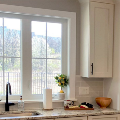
(103, 102)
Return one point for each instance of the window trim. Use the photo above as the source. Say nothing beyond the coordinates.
(71, 17)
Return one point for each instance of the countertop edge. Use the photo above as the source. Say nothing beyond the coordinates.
(61, 113)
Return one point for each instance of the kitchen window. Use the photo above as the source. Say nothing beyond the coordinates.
(44, 37)
(68, 58)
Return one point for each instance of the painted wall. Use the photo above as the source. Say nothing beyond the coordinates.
(112, 86)
(95, 85)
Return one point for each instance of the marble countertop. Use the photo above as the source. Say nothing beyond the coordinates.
(60, 113)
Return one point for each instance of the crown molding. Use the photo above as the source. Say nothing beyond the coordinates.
(117, 1)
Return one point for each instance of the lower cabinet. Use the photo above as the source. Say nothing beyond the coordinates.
(44, 119)
(73, 118)
(104, 117)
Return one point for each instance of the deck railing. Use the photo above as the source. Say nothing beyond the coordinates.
(38, 82)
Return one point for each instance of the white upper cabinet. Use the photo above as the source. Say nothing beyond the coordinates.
(96, 46)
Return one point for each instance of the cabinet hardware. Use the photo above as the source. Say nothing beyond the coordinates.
(92, 68)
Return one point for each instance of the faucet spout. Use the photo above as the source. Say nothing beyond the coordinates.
(7, 104)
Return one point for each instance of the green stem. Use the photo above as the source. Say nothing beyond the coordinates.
(61, 88)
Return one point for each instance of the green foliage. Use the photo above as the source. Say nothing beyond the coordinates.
(11, 49)
(52, 50)
(61, 80)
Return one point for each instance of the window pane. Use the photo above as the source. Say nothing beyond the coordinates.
(53, 68)
(54, 40)
(38, 75)
(12, 74)
(1, 37)
(1, 76)
(39, 57)
(12, 36)
(38, 39)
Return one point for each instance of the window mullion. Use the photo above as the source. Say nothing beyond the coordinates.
(46, 54)
(26, 60)
(3, 62)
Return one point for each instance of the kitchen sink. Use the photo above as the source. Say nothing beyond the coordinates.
(19, 114)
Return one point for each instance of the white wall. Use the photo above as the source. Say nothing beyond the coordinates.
(112, 86)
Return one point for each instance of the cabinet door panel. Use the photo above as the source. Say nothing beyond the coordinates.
(101, 37)
(73, 118)
(46, 119)
(104, 117)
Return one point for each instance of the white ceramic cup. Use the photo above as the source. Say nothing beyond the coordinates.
(67, 102)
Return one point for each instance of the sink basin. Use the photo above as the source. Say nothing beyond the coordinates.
(18, 115)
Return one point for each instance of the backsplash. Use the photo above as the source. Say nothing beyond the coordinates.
(95, 89)
(32, 106)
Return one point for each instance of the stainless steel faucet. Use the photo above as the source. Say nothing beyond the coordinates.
(7, 104)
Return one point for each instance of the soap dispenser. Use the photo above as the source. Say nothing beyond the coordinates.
(20, 104)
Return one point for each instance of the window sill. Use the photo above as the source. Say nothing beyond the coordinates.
(33, 101)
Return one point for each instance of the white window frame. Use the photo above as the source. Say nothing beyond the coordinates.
(27, 58)
(71, 57)
(26, 51)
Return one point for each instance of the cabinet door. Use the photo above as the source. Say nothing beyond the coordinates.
(48, 119)
(101, 39)
(73, 118)
(104, 117)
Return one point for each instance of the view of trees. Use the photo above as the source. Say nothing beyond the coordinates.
(39, 51)
(11, 48)
(11, 64)
(39, 45)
